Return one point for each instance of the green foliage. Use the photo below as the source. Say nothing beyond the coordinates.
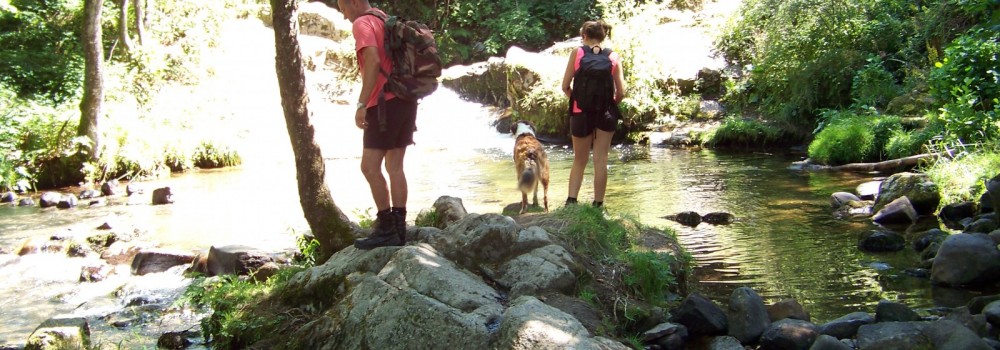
(470, 30)
(873, 86)
(747, 133)
(590, 233)
(41, 55)
(967, 81)
(365, 218)
(798, 57)
(963, 177)
(426, 218)
(234, 300)
(848, 138)
(648, 97)
(308, 251)
(37, 141)
(210, 156)
(649, 274)
(905, 143)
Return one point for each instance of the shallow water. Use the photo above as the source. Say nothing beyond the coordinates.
(784, 244)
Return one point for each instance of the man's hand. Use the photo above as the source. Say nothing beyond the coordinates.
(359, 118)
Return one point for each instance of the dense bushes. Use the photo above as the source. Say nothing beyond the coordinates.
(967, 81)
(41, 53)
(836, 67)
(848, 137)
(469, 30)
(40, 84)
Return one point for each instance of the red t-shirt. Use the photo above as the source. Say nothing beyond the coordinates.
(615, 63)
(370, 31)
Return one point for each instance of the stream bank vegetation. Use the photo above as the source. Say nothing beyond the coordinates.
(145, 131)
(626, 278)
(867, 81)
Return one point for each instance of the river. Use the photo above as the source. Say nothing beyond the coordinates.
(784, 244)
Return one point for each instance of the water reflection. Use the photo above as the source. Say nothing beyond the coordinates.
(783, 244)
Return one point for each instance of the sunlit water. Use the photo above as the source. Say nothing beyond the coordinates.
(784, 244)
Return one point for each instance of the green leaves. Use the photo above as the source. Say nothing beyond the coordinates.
(967, 80)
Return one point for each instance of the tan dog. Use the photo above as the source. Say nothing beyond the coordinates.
(531, 162)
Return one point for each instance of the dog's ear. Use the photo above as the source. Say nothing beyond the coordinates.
(513, 126)
(531, 125)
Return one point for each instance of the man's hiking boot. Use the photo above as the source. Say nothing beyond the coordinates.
(400, 217)
(383, 234)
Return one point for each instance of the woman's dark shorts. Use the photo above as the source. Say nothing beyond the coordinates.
(400, 123)
(583, 124)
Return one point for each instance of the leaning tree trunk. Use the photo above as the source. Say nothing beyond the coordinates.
(123, 25)
(330, 226)
(93, 80)
(140, 30)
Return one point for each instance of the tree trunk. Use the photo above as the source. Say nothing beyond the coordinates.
(140, 29)
(330, 226)
(889, 165)
(93, 80)
(123, 25)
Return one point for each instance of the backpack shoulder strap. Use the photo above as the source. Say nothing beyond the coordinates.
(376, 14)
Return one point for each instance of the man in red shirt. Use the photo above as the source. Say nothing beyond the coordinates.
(383, 139)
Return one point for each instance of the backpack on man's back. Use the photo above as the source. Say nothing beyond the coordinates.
(416, 64)
(593, 85)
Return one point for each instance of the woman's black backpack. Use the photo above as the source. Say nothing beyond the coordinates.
(593, 86)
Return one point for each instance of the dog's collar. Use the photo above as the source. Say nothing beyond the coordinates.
(524, 129)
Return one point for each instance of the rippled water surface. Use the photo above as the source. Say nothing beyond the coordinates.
(784, 244)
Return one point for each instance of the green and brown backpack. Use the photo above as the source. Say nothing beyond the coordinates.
(416, 64)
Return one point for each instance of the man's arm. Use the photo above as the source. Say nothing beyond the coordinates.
(369, 74)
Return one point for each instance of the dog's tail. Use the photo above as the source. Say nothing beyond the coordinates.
(527, 180)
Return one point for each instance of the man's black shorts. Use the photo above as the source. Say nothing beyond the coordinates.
(583, 124)
(400, 123)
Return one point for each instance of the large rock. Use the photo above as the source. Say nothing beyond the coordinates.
(163, 195)
(530, 324)
(787, 308)
(846, 326)
(483, 82)
(549, 268)
(942, 334)
(983, 224)
(747, 315)
(838, 199)
(925, 239)
(917, 187)
(8, 197)
(229, 260)
(898, 212)
(60, 334)
(993, 188)
(701, 316)
(888, 311)
(893, 335)
(110, 188)
(967, 259)
(49, 199)
(401, 298)
(316, 19)
(449, 210)
(952, 214)
(666, 335)
(788, 334)
(484, 240)
(992, 313)
(67, 201)
(868, 190)
(826, 342)
(159, 260)
(881, 241)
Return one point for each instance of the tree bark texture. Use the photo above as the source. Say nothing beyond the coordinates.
(123, 25)
(332, 228)
(93, 79)
(140, 30)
